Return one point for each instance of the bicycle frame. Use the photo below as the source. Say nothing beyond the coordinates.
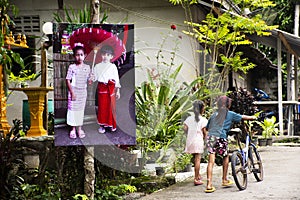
(244, 160)
(244, 151)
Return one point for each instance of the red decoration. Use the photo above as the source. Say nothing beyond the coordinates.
(173, 27)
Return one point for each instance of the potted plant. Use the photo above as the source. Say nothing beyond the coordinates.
(183, 162)
(269, 128)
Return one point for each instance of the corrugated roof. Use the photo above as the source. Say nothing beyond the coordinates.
(291, 43)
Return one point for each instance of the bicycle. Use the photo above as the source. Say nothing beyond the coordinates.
(245, 160)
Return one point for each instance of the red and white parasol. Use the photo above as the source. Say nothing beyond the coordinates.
(95, 38)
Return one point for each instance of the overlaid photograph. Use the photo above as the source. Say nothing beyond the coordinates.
(93, 84)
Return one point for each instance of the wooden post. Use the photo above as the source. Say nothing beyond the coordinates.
(95, 11)
(89, 168)
(44, 83)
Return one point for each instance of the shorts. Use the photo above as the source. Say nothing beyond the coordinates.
(217, 145)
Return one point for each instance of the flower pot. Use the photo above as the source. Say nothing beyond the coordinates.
(262, 142)
(159, 171)
(142, 162)
(269, 141)
(188, 168)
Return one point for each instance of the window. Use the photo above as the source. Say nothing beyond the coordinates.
(27, 24)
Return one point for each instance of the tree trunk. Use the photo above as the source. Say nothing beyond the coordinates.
(89, 168)
(95, 4)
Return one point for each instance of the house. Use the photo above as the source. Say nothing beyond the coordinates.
(152, 20)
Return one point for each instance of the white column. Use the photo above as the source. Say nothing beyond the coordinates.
(294, 57)
(296, 32)
(279, 74)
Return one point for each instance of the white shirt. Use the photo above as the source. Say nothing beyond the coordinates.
(104, 72)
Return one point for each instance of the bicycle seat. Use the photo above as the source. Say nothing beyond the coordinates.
(234, 131)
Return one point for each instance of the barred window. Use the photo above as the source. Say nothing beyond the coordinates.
(27, 24)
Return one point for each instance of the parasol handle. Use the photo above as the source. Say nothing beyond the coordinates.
(94, 59)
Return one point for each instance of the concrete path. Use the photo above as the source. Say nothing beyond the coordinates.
(281, 180)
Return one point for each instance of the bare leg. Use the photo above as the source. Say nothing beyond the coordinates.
(225, 168)
(211, 161)
(197, 165)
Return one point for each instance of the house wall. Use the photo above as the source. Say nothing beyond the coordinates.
(152, 20)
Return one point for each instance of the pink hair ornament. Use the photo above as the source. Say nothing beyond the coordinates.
(78, 44)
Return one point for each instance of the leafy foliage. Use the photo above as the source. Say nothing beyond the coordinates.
(7, 161)
(176, 2)
(254, 4)
(35, 191)
(7, 56)
(161, 103)
(80, 16)
(220, 33)
(269, 127)
(242, 102)
(220, 37)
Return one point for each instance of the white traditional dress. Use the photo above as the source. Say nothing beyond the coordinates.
(78, 75)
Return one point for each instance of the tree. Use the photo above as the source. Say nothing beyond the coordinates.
(220, 34)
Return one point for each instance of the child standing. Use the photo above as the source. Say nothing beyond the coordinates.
(108, 89)
(218, 126)
(195, 125)
(76, 79)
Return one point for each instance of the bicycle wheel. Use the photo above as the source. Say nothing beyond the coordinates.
(257, 167)
(239, 173)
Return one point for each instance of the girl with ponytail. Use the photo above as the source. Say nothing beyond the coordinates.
(194, 126)
(216, 142)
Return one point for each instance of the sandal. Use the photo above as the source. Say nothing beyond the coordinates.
(81, 134)
(210, 190)
(198, 181)
(227, 183)
(72, 134)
